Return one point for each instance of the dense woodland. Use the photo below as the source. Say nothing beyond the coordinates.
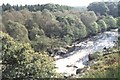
(27, 32)
(52, 25)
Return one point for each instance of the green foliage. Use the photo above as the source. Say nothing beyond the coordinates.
(77, 26)
(94, 28)
(104, 8)
(102, 25)
(6, 17)
(2, 27)
(50, 22)
(98, 7)
(118, 8)
(35, 32)
(20, 61)
(6, 7)
(30, 24)
(26, 14)
(118, 21)
(48, 26)
(52, 29)
(49, 6)
(110, 21)
(41, 43)
(83, 30)
(68, 39)
(106, 67)
(88, 18)
(17, 31)
(18, 16)
(113, 8)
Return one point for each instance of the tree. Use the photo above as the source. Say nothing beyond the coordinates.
(50, 7)
(26, 14)
(52, 29)
(3, 7)
(30, 24)
(68, 39)
(6, 7)
(119, 8)
(94, 28)
(35, 32)
(88, 18)
(83, 31)
(7, 16)
(102, 25)
(49, 24)
(37, 17)
(98, 7)
(2, 27)
(113, 8)
(110, 21)
(18, 16)
(20, 61)
(17, 31)
(118, 21)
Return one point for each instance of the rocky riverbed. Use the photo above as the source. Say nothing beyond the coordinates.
(78, 58)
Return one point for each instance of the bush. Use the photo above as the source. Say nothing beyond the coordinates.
(20, 61)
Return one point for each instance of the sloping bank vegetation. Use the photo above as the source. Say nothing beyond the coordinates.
(103, 66)
(106, 66)
(37, 28)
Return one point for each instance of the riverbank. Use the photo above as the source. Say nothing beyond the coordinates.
(76, 59)
(106, 66)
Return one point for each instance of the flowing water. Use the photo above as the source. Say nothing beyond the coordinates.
(79, 56)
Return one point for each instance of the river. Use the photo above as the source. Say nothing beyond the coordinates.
(79, 56)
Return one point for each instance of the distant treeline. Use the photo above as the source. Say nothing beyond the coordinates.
(100, 8)
(38, 7)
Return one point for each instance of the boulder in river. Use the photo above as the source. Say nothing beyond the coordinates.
(60, 51)
(69, 65)
(78, 71)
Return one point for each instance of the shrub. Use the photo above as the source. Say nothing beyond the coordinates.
(20, 61)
